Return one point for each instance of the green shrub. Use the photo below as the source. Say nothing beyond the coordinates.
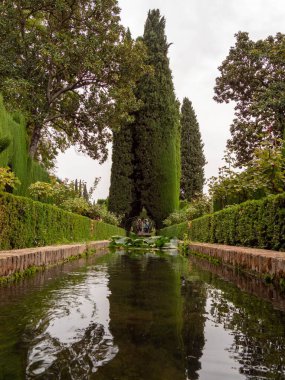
(8, 179)
(194, 209)
(178, 230)
(27, 223)
(256, 223)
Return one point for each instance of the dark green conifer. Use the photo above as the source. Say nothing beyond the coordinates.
(76, 186)
(122, 200)
(85, 192)
(157, 128)
(192, 155)
(121, 193)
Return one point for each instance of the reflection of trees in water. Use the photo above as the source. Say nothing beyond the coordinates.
(79, 360)
(34, 305)
(146, 312)
(23, 304)
(245, 282)
(194, 301)
(156, 319)
(259, 342)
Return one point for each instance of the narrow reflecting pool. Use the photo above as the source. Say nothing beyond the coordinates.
(142, 316)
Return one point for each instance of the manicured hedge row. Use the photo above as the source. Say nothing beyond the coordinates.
(25, 223)
(16, 154)
(177, 230)
(257, 223)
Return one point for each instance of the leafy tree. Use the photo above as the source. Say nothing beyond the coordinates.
(57, 191)
(264, 175)
(157, 129)
(192, 155)
(69, 67)
(253, 76)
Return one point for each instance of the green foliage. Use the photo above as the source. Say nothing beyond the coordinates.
(70, 68)
(80, 189)
(176, 217)
(192, 155)
(66, 195)
(8, 179)
(122, 190)
(196, 208)
(264, 175)
(15, 155)
(178, 231)
(103, 202)
(100, 212)
(103, 231)
(77, 205)
(26, 223)
(4, 143)
(257, 223)
(135, 242)
(156, 130)
(253, 76)
(42, 191)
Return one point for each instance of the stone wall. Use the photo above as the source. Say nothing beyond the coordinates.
(14, 261)
(259, 261)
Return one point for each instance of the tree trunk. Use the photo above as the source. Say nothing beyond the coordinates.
(35, 139)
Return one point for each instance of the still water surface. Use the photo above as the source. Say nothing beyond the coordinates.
(141, 316)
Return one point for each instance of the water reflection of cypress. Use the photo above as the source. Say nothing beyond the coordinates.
(146, 312)
(194, 294)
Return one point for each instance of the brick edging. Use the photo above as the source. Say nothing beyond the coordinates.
(259, 261)
(19, 260)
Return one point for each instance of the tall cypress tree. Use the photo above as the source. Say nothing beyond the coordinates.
(192, 155)
(157, 128)
(122, 200)
(121, 195)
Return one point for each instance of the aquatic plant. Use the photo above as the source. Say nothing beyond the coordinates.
(133, 241)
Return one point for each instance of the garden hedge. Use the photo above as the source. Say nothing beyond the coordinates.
(177, 230)
(255, 223)
(13, 129)
(26, 223)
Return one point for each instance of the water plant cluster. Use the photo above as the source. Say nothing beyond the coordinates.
(134, 241)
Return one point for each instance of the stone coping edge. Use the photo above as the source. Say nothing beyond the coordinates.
(258, 261)
(19, 260)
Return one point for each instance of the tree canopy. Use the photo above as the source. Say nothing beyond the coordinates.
(253, 76)
(68, 66)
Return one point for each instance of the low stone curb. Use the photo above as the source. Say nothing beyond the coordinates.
(259, 261)
(19, 260)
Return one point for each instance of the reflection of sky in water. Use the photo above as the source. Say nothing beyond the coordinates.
(75, 334)
(217, 361)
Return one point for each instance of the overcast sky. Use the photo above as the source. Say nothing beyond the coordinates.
(202, 32)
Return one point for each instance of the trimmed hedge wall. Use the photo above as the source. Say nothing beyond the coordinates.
(177, 230)
(256, 223)
(16, 154)
(25, 223)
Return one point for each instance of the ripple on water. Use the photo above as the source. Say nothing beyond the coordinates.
(74, 338)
